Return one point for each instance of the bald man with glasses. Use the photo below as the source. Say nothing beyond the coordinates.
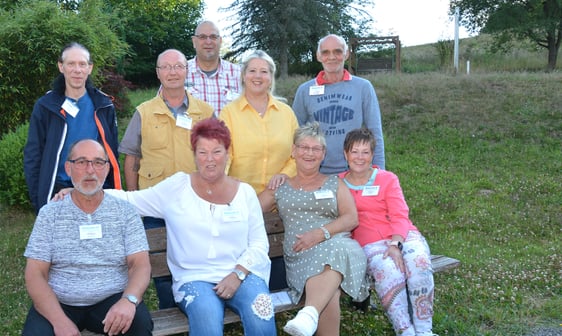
(210, 78)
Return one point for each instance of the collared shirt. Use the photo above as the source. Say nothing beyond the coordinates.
(383, 213)
(261, 147)
(216, 90)
(321, 81)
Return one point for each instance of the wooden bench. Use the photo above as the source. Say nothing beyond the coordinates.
(172, 321)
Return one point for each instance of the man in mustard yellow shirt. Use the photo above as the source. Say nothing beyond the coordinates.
(157, 144)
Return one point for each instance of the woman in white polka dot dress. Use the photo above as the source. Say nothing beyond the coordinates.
(321, 258)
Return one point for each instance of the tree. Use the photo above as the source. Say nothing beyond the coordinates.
(32, 34)
(290, 29)
(537, 20)
(150, 27)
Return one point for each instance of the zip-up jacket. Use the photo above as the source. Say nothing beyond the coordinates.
(47, 134)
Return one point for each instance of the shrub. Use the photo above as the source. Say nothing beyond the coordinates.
(13, 189)
(32, 35)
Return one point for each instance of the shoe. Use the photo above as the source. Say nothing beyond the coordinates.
(304, 324)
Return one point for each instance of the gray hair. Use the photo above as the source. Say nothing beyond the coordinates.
(76, 45)
(340, 39)
(310, 130)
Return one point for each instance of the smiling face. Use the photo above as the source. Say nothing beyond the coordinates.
(308, 154)
(210, 158)
(207, 42)
(88, 180)
(170, 69)
(332, 54)
(257, 77)
(359, 157)
(75, 67)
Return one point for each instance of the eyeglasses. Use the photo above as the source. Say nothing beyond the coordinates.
(314, 149)
(98, 164)
(203, 37)
(169, 67)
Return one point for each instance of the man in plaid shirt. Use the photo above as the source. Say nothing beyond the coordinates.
(210, 78)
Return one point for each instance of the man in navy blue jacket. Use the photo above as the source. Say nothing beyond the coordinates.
(73, 110)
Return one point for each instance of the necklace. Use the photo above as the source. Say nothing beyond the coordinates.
(302, 186)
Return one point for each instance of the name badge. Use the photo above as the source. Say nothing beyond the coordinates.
(323, 194)
(184, 121)
(91, 231)
(370, 191)
(70, 108)
(231, 95)
(231, 216)
(316, 90)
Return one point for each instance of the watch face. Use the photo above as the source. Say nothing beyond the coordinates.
(241, 275)
(133, 299)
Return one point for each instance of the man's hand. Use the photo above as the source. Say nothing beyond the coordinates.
(60, 195)
(119, 317)
(65, 328)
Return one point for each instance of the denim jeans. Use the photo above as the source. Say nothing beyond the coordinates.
(88, 317)
(163, 284)
(205, 310)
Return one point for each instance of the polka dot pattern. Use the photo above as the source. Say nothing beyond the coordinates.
(302, 212)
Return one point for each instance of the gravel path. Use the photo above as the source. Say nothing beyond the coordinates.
(546, 331)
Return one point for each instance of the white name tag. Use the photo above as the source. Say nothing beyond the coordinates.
(184, 121)
(70, 108)
(323, 194)
(370, 191)
(231, 216)
(316, 90)
(91, 231)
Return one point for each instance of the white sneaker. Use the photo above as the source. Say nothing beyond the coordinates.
(304, 324)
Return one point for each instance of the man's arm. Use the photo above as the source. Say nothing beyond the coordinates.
(120, 316)
(44, 299)
(299, 105)
(131, 166)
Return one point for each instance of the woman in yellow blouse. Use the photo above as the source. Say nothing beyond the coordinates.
(261, 126)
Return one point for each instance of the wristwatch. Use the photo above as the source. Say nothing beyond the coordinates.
(327, 234)
(397, 244)
(132, 299)
(241, 275)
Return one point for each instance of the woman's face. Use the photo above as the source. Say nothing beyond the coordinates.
(359, 157)
(308, 153)
(210, 158)
(257, 77)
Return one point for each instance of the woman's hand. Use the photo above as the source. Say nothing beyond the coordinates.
(228, 286)
(308, 240)
(396, 255)
(60, 195)
(276, 181)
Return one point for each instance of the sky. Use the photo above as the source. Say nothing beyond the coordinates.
(414, 21)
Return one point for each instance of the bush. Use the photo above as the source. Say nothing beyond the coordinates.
(13, 189)
(32, 35)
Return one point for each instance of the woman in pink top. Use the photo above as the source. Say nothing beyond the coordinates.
(398, 256)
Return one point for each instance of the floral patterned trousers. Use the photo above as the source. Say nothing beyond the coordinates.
(406, 298)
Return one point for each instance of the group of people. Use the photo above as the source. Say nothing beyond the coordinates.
(205, 157)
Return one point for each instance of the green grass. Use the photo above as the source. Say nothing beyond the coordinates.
(480, 161)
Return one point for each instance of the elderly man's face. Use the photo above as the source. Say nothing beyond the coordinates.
(75, 67)
(332, 55)
(89, 167)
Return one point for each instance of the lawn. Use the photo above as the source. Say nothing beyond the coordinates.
(480, 161)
